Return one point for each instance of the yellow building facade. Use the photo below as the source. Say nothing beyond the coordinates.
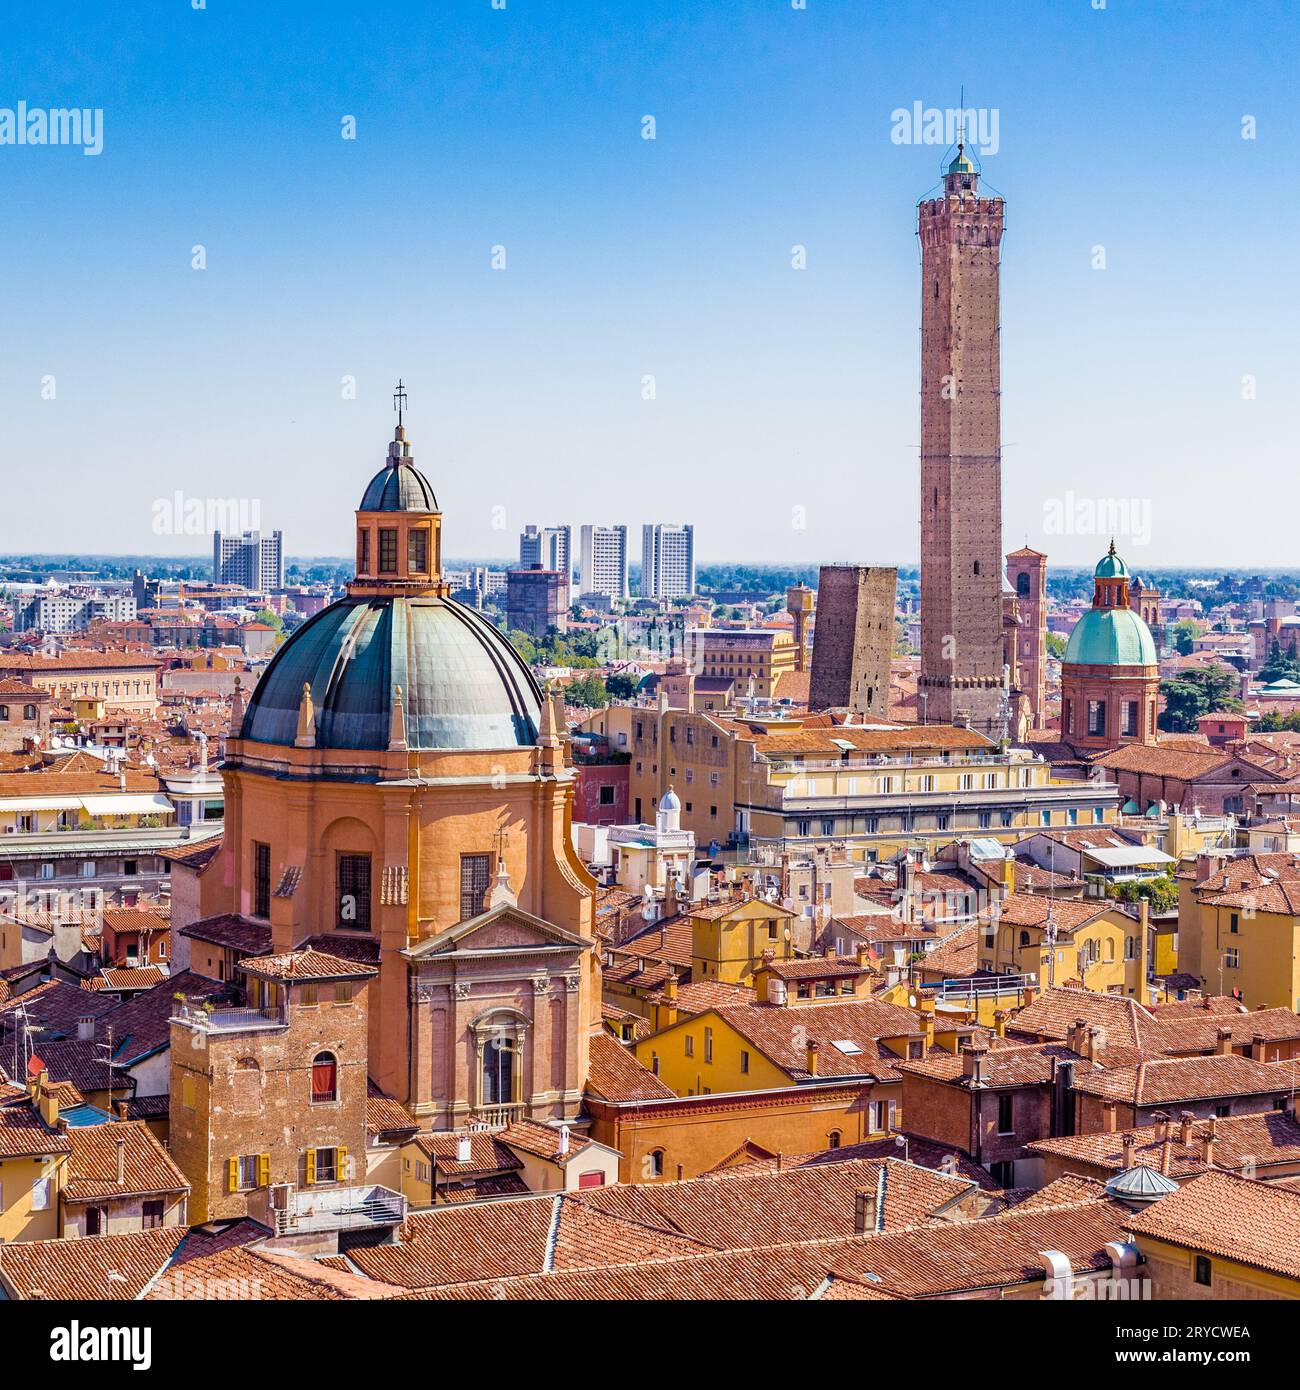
(876, 791)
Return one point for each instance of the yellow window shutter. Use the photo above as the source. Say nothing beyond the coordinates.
(311, 1166)
(341, 1173)
(263, 1169)
(232, 1174)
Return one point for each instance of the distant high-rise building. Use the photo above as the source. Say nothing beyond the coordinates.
(251, 559)
(551, 547)
(604, 561)
(667, 561)
(537, 599)
(961, 459)
(853, 640)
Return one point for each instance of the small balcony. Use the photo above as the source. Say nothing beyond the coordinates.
(327, 1209)
(489, 1117)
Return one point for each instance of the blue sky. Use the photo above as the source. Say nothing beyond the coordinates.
(785, 417)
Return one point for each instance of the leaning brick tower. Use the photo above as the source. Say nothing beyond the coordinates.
(961, 461)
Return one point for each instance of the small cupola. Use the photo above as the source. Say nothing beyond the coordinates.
(399, 526)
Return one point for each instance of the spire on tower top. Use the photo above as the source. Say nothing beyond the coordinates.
(399, 400)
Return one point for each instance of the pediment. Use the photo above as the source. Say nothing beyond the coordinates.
(503, 929)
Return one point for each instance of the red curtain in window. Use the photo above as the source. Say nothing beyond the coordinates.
(323, 1080)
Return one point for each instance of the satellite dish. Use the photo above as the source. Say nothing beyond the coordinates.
(911, 1001)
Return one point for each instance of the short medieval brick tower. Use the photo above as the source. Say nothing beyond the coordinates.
(1027, 575)
(273, 1094)
(1110, 676)
(961, 462)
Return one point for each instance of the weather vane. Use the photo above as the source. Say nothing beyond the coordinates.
(399, 400)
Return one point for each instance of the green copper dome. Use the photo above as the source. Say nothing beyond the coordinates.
(961, 163)
(1110, 637)
(463, 684)
(1111, 566)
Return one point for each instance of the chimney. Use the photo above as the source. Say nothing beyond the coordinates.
(121, 1107)
(563, 1148)
(1128, 1151)
(121, 1161)
(1000, 1023)
(1259, 1048)
(463, 1149)
(866, 1206)
(1027, 995)
(1166, 1152)
(85, 1029)
(1223, 1047)
(1161, 1119)
(670, 988)
(972, 1063)
(1207, 1145)
(1185, 1122)
(812, 1050)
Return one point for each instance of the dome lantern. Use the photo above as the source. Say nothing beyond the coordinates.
(399, 526)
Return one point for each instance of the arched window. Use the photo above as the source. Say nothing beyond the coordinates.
(324, 1078)
(499, 1040)
(1022, 584)
(1024, 938)
(656, 1162)
(247, 1084)
(833, 1139)
(499, 1071)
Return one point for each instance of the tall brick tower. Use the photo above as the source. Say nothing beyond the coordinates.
(961, 462)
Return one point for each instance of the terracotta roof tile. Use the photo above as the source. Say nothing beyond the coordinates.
(92, 1168)
(1254, 1223)
(1169, 1080)
(616, 1075)
(102, 1267)
(296, 966)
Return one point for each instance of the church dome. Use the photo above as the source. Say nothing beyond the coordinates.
(1110, 566)
(463, 684)
(1110, 637)
(399, 486)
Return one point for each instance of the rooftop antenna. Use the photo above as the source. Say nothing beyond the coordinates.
(399, 400)
(107, 1049)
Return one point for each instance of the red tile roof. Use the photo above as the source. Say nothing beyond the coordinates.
(1254, 1223)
